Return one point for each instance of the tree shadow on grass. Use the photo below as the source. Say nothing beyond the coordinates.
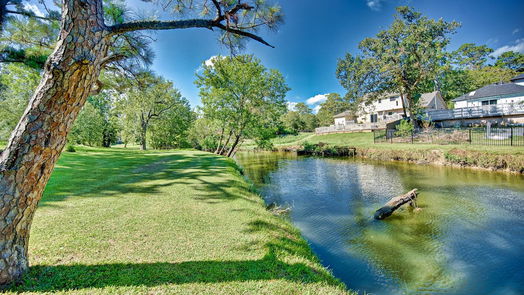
(52, 278)
(118, 174)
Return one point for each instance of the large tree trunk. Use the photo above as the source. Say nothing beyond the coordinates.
(36, 143)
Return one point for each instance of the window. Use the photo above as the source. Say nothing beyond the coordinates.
(374, 118)
(380, 100)
(396, 102)
(489, 102)
(390, 113)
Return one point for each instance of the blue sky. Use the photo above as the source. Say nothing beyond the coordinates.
(316, 33)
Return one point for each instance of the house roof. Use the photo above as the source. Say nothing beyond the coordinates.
(426, 98)
(518, 78)
(493, 90)
(343, 114)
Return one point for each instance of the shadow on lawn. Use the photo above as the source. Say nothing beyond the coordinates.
(43, 278)
(117, 174)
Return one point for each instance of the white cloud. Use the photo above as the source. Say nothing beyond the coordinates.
(516, 31)
(316, 109)
(518, 46)
(374, 4)
(317, 99)
(34, 9)
(291, 105)
(209, 62)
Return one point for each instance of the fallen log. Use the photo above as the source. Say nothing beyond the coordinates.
(395, 203)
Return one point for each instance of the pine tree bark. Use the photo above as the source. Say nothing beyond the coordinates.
(35, 145)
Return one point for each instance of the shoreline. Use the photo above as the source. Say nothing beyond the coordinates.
(456, 157)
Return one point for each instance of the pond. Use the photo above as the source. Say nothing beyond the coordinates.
(467, 239)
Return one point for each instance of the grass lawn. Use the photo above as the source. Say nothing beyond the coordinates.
(365, 139)
(116, 221)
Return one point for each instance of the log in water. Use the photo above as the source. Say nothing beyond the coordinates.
(396, 203)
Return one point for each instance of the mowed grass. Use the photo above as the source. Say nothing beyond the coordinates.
(116, 221)
(365, 139)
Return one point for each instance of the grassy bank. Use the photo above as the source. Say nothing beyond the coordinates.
(115, 221)
(503, 158)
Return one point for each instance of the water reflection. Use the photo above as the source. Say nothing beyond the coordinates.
(468, 238)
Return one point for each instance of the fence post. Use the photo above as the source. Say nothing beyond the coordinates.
(511, 142)
(470, 141)
(390, 137)
(374, 137)
(412, 136)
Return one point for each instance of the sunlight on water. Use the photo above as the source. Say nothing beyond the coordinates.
(467, 239)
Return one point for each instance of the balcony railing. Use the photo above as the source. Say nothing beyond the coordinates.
(477, 112)
(351, 127)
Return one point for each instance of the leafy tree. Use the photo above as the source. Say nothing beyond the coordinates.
(408, 53)
(293, 122)
(96, 124)
(333, 105)
(204, 134)
(89, 127)
(511, 60)
(244, 98)
(17, 83)
(471, 56)
(300, 118)
(171, 129)
(148, 100)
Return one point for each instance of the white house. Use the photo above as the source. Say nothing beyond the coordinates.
(494, 94)
(389, 108)
(344, 118)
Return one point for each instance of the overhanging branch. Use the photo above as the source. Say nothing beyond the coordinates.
(181, 24)
(160, 25)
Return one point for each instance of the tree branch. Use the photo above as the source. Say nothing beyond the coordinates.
(31, 14)
(243, 33)
(160, 25)
(181, 24)
(112, 58)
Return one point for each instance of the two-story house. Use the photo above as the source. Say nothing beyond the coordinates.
(389, 108)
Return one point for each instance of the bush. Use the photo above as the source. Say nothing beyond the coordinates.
(405, 128)
(70, 148)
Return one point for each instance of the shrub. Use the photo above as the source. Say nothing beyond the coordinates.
(404, 128)
(70, 148)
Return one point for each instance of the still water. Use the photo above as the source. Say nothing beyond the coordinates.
(467, 239)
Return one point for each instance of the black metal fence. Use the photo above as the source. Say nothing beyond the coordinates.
(501, 136)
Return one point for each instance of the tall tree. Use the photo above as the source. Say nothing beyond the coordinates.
(246, 98)
(333, 105)
(511, 60)
(398, 59)
(148, 99)
(69, 76)
(471, 56)
(301, 118)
